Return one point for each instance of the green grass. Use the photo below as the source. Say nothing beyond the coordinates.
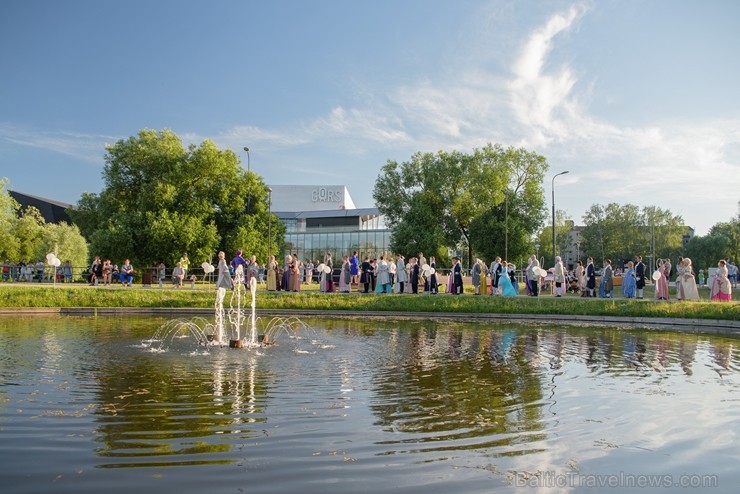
(203, 297)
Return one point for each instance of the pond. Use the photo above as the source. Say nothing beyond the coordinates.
(88, 406)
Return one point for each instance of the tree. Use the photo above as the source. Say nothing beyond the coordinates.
(447, 200)
(622, 232)
(723, 241)
(161, 199)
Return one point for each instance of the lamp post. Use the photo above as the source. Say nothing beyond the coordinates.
(249, 196)
(269, 223)
(553, 213)
(506, 228)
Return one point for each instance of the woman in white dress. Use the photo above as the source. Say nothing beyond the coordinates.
(686, 281)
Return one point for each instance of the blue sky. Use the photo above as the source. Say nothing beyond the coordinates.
(637, 99)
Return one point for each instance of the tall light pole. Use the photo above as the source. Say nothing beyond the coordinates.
(553, 213)
(269, 223)
(506, 223)
(249, 195)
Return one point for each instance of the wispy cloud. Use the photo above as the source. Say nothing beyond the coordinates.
(85, 147)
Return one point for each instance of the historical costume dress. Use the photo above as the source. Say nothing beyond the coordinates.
(272, 275)
(629, 284)
(606, 284)
(721, 289)
(383, 284)
(451, 280)
(295, 276)
(495, 270)
(475, 274)
(285, 282)
(558, 276)
(507, 287)
(579, 280)
(224, 277)
(344, 277)
(661, 284)
(688, 283)
(533, 277)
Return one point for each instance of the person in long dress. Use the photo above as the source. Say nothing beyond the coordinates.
(224, 277)
(629, 282)
(295, 275)
(272, 274)
(345, 276)
(383, 284)
(475, 274)
(688, 283)
(533, 277)
(451, 279)
(661, 284)
(721, 288)
(414, 271)
(504, 282)
(285, 282)
(558, 276)
(580, 278)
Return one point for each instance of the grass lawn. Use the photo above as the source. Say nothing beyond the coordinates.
(77, 295)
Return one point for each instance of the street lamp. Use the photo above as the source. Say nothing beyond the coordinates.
(269, 223)
(553, 213)
(249, 196)
(506, 223)
(248, 164)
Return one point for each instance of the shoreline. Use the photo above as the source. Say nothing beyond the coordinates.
(682, 325)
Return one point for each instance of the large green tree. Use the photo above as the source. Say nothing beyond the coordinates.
(161, 199)
(25, 236)
(456, 201)
(723, 241)
(621, 232)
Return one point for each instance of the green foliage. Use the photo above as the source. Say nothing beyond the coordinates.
(161, 199)
(622, 232)
(29, 238)
(723, 241)
(83, 296)
(442, 201)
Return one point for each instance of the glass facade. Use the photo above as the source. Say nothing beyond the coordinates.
(315, 244)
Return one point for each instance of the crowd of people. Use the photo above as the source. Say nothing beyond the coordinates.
(399, 275)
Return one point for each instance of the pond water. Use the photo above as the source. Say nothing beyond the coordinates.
(366, 406)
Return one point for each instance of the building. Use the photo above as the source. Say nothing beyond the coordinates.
(52, 211)
(323, 218)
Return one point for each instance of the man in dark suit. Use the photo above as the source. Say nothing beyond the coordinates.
(414, 275)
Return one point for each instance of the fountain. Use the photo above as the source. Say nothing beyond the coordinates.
(232, 327)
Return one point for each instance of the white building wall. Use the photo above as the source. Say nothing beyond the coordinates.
(289, 198)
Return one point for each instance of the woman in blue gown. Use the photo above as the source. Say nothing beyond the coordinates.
(629, 282)
(504, 281)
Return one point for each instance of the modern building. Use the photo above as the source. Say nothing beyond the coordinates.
(321, 219)
(52, 211)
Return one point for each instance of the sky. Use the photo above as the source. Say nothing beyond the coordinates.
(636, 99)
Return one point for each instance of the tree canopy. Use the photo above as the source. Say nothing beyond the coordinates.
(620, 232)
(25, 236)
(161, 199)
(463, 202)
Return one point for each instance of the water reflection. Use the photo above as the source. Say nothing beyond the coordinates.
(373, 406)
